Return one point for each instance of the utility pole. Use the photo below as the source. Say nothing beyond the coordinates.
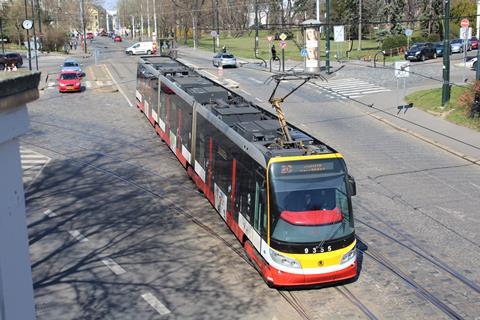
(155, 19)
(359, 25)
(446, 55)
(133, 27)
(327, 35)
(478, 19)
(218, 27)
(34, 36)
(256, 27)
(194, 26)
(1, 35)
(213, 24)
(148, 21)
(82, 21)
(141, 21)
(318, 10)
(28, 41)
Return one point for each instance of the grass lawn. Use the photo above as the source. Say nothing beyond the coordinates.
(430, 101)
(243, 46)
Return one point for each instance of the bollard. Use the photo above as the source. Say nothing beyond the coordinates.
(220, 69)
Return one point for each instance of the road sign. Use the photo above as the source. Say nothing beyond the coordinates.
(408, 32)
(464, 23)
(213, 33)
(402, 69)
(283, 44)
(269, 38)
(304, 52)
(283, 37)
(464, 33)
(338, 33)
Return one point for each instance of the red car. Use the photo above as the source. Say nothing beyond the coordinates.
(69, 81)
(473, 43)
(90, 35)
(117, 39)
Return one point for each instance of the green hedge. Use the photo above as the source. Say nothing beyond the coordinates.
(394, 41)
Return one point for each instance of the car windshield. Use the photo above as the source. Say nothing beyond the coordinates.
(416, 48)
(457, 41)
(68, 76)
(70, 64)
(227, 56)
(309, 201)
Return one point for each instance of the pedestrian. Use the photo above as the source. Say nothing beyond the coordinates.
(13, 67)
(274, 53)
(75, 44)
(224, 49)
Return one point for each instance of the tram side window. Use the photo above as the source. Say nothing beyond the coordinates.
(173, 121)
(223, 167)
(186, 123)
(140, 78)
(245, 191)
(154, 97)
(163, 102)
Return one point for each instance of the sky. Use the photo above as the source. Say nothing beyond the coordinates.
(110, 4)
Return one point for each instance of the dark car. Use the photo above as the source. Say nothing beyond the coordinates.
(15, 58)
(421, 52)
(439, 48)
(473, 43)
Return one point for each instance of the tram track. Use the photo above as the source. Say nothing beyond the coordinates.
(378, 257)
(344, 291)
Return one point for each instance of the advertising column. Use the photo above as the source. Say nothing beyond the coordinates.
(312, 37)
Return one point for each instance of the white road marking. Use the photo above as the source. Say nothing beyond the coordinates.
(32, 164)
(88, 84)
(260, 100)
(255, 80)
(77, 236)
(210, 74)
(475, 185)
(155, 303)
(118, 87)
(112, 265)
(99, 83)
(49, 213)
(246, 92)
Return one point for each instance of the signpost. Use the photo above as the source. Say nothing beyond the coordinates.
(269, 38)
(408, 33)
(402, 71)
(283, 45)
(214, 34)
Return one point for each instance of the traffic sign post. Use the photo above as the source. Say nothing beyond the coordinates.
(283, 45)
(408, 33)
(214, 34)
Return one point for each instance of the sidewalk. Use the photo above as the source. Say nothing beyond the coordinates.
(459, 141)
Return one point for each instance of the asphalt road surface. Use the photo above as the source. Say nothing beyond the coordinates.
(118, 231)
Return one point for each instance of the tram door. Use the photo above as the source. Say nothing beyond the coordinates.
(259, 219)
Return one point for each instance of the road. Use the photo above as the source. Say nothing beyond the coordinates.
(118, 231)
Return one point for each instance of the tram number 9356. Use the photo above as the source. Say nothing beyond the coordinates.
(319, 249)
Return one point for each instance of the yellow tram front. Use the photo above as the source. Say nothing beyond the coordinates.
(311, 236)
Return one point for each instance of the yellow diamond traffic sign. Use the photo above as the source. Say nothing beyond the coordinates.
(283, 36)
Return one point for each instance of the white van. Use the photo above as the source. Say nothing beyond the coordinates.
(147, 47)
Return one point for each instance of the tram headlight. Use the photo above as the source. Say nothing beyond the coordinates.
(283, 260)
(349, 255)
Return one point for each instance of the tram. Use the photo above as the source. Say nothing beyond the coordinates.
(288, 204)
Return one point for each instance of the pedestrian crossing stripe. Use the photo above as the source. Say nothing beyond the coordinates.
(32, 164)
(86, 84)
(350, 88)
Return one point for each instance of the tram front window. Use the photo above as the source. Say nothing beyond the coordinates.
(309, 202)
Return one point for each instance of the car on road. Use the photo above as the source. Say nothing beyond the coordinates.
(117, 39)
(439, 48)
(103, 33)
(473, 43)
(457, 45)
(146, 47)
(71, 65)
(226, 59)
(421, 51)
(8, 59)
(472, 63)
(15, 58)
(69, 81)
(90, 35)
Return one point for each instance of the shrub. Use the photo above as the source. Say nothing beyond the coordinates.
(394, 41)
(465, 100)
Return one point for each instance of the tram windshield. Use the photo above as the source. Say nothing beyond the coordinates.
(309, 201)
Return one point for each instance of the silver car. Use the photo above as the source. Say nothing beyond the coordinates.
(226, 59)
(457, 45)
(71, 65)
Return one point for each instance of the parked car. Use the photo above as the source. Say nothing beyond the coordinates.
(473, 43)
(421, 51)
(146, 47)
(90, 35)
(69, 81)
(472, 63)
(15, 58)
(439, 48)
(103, 33)
(226, 59)
(71, 65)
(456, 45)
(117, 39)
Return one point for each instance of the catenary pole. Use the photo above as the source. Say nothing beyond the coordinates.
(34, 36)
(82, 21)
(28, 41)
(359, 25)
(327, 35)
(446, 55)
